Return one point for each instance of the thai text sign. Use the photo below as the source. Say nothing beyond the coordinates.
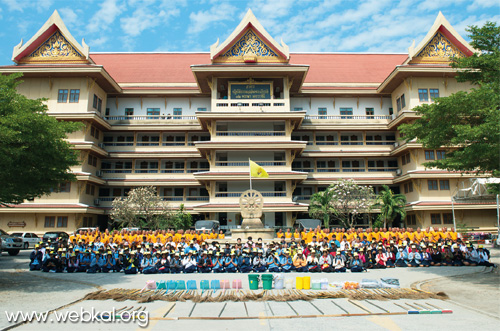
(250, 91)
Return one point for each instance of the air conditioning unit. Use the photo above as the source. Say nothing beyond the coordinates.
(98, 173)
(97, 202)
(396, 144)
(101, 145)
(398, 172)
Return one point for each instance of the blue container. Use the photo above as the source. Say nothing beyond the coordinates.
(215, 284)
(181, 285)
(171, 285)
(191, 285)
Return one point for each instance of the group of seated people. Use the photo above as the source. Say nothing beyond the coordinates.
(93, 252)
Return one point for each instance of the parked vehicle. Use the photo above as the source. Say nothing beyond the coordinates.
(30, 239)
(10, 243)
(54, 235)
(207, 225)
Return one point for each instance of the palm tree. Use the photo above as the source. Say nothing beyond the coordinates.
(391, 205)
(320, 206)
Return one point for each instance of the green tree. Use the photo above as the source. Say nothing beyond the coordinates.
(181, 219)
(142, 207)
(391, 205)
(466, 122)
(349, 200)
(34, 155)
(320, 206)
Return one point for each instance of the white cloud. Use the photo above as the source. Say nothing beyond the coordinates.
(148, 15)
(43, 5)
(477, 4)
(202, 20)
(99, 41)
(16, 5)
(69, 17)
(102, 19)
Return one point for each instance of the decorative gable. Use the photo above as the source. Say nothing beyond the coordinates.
(249, 48)
(441, 44)
(53, 43)
(439, 49)
(56, 48)
(249, 43)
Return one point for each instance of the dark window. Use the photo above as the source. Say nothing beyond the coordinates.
(297, 109)
(432, 185)
(436, 218)
(369, 111)
(177, 113)
(62, 96)
(444, 184)
(440, 155)
(322, 111)
(129, 111)
(448, 218)
(65, 187)
(202, 109)
(403, 101)
(423, 94)
(391, 111)
(62, 221)
(50, 221)
(410, 187)
(94, 104)
(398, 104)
(74, 96)
(345, 112)
(429, 155)
(99, 105)
(104, 192)
(434, 93)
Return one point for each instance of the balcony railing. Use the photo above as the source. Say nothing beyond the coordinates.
(250, 133)
(376, 169)
(116, 171)
(245, 163)
(150, 117)
(357, 169)
(238, 194)
(352, 143)
(348, 117)
(327, 169)
(188, 198)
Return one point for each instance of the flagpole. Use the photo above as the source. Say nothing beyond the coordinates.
(250, 172)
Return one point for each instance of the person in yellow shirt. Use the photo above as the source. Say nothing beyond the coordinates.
(296, 234)
(288, 234)
(221, 235)
(309, 236)
(376, 234)
(418, 235)
(177, 237)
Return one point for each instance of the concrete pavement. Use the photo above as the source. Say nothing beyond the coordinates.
(468, 287)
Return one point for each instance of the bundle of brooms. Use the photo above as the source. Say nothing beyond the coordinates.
(142, 296)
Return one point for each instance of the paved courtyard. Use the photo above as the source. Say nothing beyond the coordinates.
(474, 299)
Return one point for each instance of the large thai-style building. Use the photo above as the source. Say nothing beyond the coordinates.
(187, 123)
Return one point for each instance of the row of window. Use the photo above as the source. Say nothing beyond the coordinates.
(344, 111)
(94, 132)
(62, 188)
(97, 104)
(74, 96)
(444, 218)
(424, 94)
(156, 111)
(444, 184)
(435, 155)
(401, 102)
(408, 187)
(88, 222)
(90, 189)
(92, 160)
(406, 159)
(52, 221)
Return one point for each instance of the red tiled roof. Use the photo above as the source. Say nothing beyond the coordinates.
(175, 67)
(232, 205)
(448, 203)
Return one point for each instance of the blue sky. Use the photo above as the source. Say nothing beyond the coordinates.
(193, 25)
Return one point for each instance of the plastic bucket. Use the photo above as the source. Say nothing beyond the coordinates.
(267, 282)
(299, 283)
(316, 285)
(279, 282)
(306, 285)
(289, 283)
(253, 281)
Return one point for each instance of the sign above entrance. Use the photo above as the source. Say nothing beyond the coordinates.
(251, 91)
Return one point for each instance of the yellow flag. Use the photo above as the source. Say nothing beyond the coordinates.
(257, 171)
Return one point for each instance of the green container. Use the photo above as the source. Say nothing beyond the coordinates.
(253, 280)
(267, 282)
